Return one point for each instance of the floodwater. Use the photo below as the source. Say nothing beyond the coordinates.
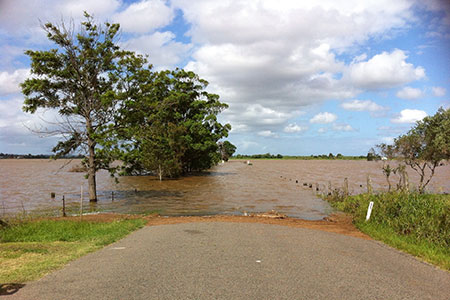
(230, 188)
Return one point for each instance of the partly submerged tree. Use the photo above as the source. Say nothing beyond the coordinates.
(424, 147)
(82, 78)
(226, 150)
(172, 127)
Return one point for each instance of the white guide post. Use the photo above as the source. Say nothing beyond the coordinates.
(369, 210)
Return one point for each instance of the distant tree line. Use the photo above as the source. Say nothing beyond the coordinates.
(258, 156)
(279, 156)
(33, 156)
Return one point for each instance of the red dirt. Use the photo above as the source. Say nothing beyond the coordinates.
(337, 223)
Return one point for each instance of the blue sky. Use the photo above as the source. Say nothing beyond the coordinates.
(300, 77)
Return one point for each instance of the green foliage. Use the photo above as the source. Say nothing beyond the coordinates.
(424, 146)
(433, 253)
(371, 155)
(416, 223)
(259, 156)
(113, 106)
(226, 150)
(424, 216)
(68, 231)
(29, 250)
(83, 79)
(171, 125)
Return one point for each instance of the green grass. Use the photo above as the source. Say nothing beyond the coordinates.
(31, 249)
(415, 223)
(430, 252)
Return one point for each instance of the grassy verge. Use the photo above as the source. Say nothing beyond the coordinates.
(417, 224)
(31, 249)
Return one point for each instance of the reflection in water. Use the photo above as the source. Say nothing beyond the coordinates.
(232, 188)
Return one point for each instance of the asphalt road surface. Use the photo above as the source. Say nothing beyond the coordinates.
(241, 261)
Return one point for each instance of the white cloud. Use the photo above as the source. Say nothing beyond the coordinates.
(388, 140)
(255, 117)
(282, 56)
(385, 70)
(409, 116)
(164, 52)
(362, 105)
(144, 16)
(21, 17)
(76, 8)
(409, 93)
(293, 128)
(248, 145)
(342, 127)
(267, 133)
(9, 82)
(321, 130)
(236, 127)
(439, 91)
(323, 118)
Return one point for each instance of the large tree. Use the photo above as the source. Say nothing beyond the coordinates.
(424, 147)
(84, 78)
(172, 127)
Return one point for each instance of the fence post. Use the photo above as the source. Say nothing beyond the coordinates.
(64, 206)
(369, 185)
(346, 186)
(81, 201)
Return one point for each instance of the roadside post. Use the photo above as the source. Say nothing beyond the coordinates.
(81, 201)
(369, 185)
(64, 206)
(369, 211)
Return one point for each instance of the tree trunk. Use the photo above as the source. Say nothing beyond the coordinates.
(91, 175)
(91, 164)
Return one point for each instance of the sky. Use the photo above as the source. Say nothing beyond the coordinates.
(300, 77)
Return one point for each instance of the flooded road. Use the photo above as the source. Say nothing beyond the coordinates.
(231, 188)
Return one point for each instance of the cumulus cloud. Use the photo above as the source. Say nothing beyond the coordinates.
(267, 133)
(255, 117)
(164, 52)
(342, 127)
(388, 139)
(385, 70)
(268, 59)
(441, 24)
(409, 93)
(283, 55)
(362, 105)
(144, 16)
(409, 116)
(21, 17)
(9, 82)
(294, 128)
(438, 91)
(323, 118)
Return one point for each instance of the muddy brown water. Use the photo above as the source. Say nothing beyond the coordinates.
(230, 188)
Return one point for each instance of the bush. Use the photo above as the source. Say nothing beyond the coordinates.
(424, 216)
